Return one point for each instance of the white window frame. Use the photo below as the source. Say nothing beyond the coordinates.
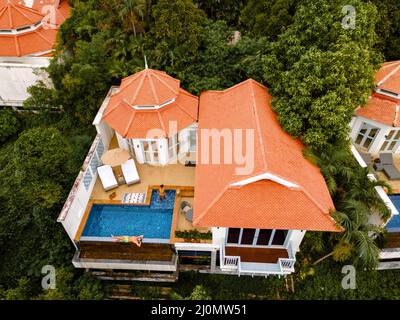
(365, 136)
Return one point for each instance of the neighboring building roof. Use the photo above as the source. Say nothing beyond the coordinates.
(26, 27)
(383, 105)
(382, 109)
(284, 191)
(127, 111)
(13, 16)
(16, 78)
(388, 77)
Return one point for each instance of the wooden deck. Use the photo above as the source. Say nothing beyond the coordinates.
(125, 251)
(263, 255)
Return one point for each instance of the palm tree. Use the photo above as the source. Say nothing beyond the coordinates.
(132, 12)
(333, 163)
(362, 188)
(358, 236)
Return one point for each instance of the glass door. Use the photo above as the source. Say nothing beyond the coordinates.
(150, 151)
(366, 135)
(391, 141)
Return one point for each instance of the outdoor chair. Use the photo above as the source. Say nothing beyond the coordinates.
(386, 164)
(107, 177)
(187, 210)
(130, 172)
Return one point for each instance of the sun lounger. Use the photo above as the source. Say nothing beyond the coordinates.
(187, 210)
(107, 177)
(386, 164)
(130, 172)
(391, 172)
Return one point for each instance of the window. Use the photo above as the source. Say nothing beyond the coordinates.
(248, 236)
(258, 237)
(366, 135)
(391, 140)
(264, 237)
(233, 235)
(279, 237)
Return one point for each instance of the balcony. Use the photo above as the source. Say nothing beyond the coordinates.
(257, 261)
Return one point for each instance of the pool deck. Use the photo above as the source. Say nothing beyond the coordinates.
(395, 184)
(174, 176)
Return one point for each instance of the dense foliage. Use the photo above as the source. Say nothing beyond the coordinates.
(317, 71)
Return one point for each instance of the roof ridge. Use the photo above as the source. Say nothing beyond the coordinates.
(257, 121)
(388, 76)
(153, 89)
(137, 89)
(236, 85)
(40, 35)
(181, 108)
(205, 211)
(113, 108)
(10, 19)
(129, 124)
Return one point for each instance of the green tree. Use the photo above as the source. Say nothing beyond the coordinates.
(8, 124)
(388, 28)
(176, 34)
(41, 153)
(319, 72)
(268, 18)
(132, 13)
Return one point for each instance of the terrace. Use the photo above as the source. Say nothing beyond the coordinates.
(100, 250)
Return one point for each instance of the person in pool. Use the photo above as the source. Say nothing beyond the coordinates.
(161, 192)
(126, 239)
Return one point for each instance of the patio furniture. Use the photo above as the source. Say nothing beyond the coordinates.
(187, 210)
(112, 195)
(134, 197)
(130, 172)
(107, 177)
(386, 164)
(367, 159)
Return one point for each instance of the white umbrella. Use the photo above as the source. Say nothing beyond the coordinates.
(115, 157)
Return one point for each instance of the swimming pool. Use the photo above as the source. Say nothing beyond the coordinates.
(153, 221)
(394, 223)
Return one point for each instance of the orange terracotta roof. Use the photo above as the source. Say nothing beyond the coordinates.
(303, 204)
(148, 88)
(14, 16)
(382, 109)
(388, 77)
(123, 115)
(38, 41)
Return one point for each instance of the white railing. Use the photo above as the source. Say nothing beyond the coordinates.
(287, 265)
(228, 263)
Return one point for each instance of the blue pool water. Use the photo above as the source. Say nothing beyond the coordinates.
(153, 221)
(394, 222)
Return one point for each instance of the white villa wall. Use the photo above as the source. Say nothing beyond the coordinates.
(219, 235)
(122, 142)
(294, 239)
(76, 203)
